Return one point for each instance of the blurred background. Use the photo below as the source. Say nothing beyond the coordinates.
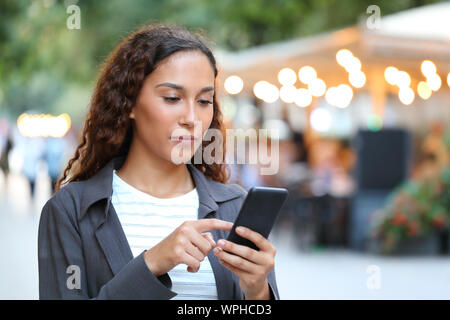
(359, 92)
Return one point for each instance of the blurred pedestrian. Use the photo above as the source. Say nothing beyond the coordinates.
(32, 154)
(4, 158)
(54, 152)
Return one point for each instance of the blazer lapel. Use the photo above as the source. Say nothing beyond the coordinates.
(108, 229)
(112, 239)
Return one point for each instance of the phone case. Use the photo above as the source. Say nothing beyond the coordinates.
(258, 213)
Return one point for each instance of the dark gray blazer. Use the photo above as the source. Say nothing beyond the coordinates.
(79, 227)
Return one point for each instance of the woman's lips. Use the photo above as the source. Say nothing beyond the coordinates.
(184, 139)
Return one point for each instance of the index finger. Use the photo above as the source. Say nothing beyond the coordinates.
(203, 225)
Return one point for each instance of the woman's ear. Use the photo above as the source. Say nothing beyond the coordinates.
(131, 116)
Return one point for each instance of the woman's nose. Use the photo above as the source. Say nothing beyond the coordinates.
(189, 115)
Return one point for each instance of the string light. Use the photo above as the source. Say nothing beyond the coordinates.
(434, 82)
(352, 65)
(307, 74)
(259, 89)
(317, 87)
(303, 98)
(428, 68)
(406, 95)
(344, 57)
(357, 79)
(390, 74)
(424, 90)
(233, 84)
(339, 96)
(272, 94)
(287, 77)
(288, 93)
(403, 79)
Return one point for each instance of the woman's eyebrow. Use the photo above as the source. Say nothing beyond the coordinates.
(178, 87)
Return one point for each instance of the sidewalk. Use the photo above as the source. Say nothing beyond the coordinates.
(19, 220)
(344, 274)
(328, 274)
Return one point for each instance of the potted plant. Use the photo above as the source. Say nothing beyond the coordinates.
(415, 217)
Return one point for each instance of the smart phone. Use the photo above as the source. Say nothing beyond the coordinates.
(258, 213)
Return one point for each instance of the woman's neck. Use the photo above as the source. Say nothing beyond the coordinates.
(154, 175)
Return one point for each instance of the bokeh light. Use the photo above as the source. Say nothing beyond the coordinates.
(434, 82)
(357, 79)
(317, 87)
(233, 84)
(321, 120)
(43, 125)
(406, 95)
(390, 74)
(374, 122)
(287, 77)
(271, 94)
(403, 79)
(303, 98)
(428, 68)
(423, 90)
(354, 65)
(307, 74)
(339, 96)
(344, 57)
(288, 93)
(259, 89)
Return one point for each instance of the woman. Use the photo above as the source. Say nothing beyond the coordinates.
(130, 218)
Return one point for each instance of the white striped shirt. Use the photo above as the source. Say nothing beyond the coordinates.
(146, 220)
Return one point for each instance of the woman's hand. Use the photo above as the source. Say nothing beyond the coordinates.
(188, 244)
(251, 266)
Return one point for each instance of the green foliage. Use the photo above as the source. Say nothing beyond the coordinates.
(34, 38)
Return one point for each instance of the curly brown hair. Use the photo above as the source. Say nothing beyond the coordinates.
(107, 131)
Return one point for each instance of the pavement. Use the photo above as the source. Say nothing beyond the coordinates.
(301, 274)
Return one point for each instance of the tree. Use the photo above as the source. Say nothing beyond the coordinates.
(40, 58)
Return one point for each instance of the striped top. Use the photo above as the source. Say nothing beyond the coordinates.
(146, 220)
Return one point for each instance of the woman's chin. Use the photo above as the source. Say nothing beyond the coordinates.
(183, 156)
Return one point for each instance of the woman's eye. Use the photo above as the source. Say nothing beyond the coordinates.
(205, 102)
(171, 99)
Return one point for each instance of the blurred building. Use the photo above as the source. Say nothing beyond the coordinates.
(387, 74)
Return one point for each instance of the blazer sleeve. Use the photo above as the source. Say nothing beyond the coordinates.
(274, 295)
(60, 248)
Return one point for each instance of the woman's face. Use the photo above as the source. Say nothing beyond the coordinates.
(175, 106)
